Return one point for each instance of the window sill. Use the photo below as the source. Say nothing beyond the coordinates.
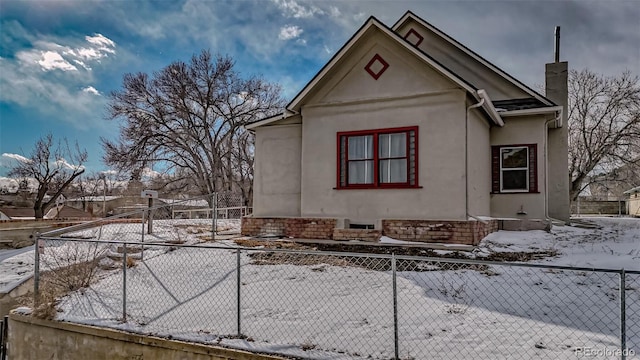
(395, 187)
(515, 192)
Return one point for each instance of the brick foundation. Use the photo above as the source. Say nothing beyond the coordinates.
(449, 232)
(430, 231)
(357, 234)
(305, 228)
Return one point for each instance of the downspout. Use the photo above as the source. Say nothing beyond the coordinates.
(466, 160)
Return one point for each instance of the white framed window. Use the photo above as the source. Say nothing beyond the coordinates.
(514, 169)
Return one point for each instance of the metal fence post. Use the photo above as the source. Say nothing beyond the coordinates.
(142, 237)
(623, 315)
(395, 307)
(124, 280)
(238, 284)
(214, 205)
(36, 272)
(5, 337)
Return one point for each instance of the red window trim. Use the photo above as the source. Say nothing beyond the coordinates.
(496, 173)
(376, 180)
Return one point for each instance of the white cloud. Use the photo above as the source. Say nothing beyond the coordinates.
(53, 70)
(51, 55)
(17, 157)
(102, 41)
(52, 60)
(81, 63)
(291, 8)
(62, 95)
(91, 90)
(334, 12)
(63, 163)
(149, 174)
(290, 32)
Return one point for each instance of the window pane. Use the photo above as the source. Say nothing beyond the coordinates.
(514, 158)
(392, 145)
(393, 171)
(361, 172)
(514, 180)
(360, 147)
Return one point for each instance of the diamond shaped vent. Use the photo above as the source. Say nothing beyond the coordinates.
(376, 66)
(413, 37)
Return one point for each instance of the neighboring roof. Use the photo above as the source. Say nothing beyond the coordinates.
(95, 198)
(372, 22)
(200, 203)
(14, 212)
(66, 212)
(410, 15)
(632, 191)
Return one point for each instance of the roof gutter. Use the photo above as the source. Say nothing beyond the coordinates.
(287, 113)
(545, 110)
(489, 108)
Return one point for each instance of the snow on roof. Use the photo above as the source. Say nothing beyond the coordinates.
(191, 203)
(95, 198)
(632, 190)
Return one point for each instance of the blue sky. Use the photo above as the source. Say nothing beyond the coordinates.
(60, 59)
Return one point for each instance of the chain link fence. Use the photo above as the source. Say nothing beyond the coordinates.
(336, 305)
(228, 205)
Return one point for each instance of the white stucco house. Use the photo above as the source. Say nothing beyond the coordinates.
(406, 132)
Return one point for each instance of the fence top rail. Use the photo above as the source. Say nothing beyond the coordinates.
(57, 232)
(352, 254)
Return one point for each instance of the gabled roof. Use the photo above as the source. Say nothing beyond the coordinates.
(293, 107)
(410, 15)
(373, 23)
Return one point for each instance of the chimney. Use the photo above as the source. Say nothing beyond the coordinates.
(556, 76)
(557, 47)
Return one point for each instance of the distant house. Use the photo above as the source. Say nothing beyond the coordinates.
(633, 203)
(97, 205)
(407, 133)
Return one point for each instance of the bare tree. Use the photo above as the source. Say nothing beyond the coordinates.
(54, 167)
(189, 118)
(604, 127)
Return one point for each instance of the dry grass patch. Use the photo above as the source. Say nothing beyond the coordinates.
(55, 284)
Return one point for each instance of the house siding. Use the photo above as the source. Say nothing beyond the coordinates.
(440, 121)
(479, 161)
(517, 131)
(277, 170)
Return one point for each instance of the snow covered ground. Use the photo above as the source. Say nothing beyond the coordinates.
(17, 264)
(342, 307)
(615, 245)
